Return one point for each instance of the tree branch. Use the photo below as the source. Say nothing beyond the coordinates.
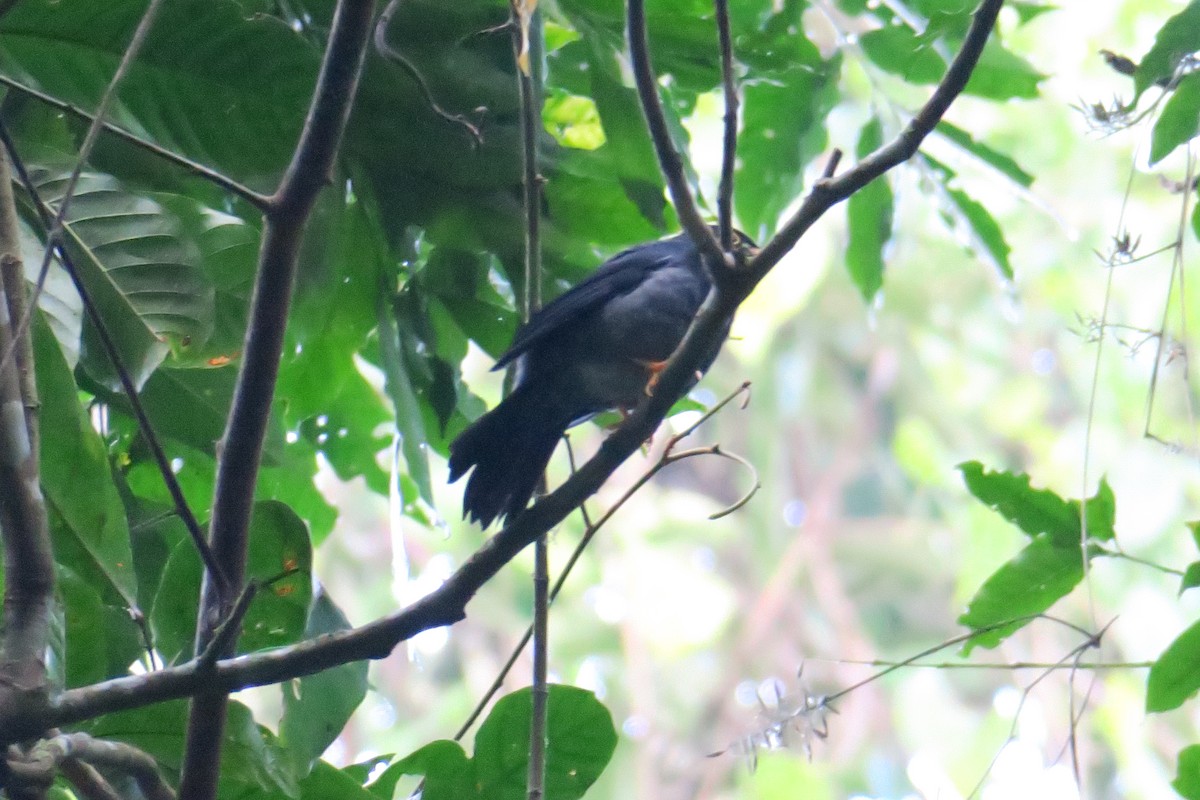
(827, 193)
(729, 145)
(240, 450)
(392, 54)
(28, 563)
(45, 758)
(669, 161)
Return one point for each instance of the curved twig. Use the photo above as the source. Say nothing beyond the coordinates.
(745, 498)
(392, 54)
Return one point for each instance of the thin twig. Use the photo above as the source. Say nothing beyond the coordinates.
(259, 201)
(387, 51)
(53, 236)
(182, 509)
(668, 457)
(527, 55)
(729, 145)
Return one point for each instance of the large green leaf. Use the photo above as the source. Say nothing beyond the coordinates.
(964, 214)
(88, 523)
(993, 158)
(316, 707)
(783, 122)
(869, 212)
(202, 84)
(1174, 678)
(277, 616)
(1187, 773)
(1179, 120)
(143, 273)
(1178, 37)
(1041, 511)
(580, 740)
(1036, 578)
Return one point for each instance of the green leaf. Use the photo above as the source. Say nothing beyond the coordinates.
(1041, 511)
(1187, 773)
(198, 86)
(1003, 75)
(409, 422)
(317, 707)
(1191, 577)
(1178, 37)
(998, 160)
(987, 231)
(88, 523)
(783, 129)
(869, 213)
(85, 655)
(573, 120)
(1028, 11)
(327, 781)
(278, 614)
(1173, 677)
(628, 148)
(1194, 527)
(896, 49)
(1030, 583)
(1179, 120)
(59, 302)
(449, 773)
(580, 741)
(250, 758)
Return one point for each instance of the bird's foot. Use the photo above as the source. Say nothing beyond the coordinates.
(655, 369)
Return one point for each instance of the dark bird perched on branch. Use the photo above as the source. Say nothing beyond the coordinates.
(599, 346)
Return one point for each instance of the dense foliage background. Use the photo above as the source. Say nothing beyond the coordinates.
(957, 312)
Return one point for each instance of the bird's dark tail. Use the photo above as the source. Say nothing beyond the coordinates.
(509, 448)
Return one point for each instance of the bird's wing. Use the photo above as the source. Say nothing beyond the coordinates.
(618, 276)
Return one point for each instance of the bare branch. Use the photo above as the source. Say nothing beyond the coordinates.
(527, 54)
(28, 563)
(729, 151)
(668, 159)
(241, 445)
(46, 757)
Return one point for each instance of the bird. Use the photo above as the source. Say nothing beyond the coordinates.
(598, 346)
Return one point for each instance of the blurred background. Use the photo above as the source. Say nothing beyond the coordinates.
(862, 544)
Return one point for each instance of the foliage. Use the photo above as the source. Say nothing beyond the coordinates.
(413, 259)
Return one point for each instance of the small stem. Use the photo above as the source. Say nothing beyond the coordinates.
(729, 146)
